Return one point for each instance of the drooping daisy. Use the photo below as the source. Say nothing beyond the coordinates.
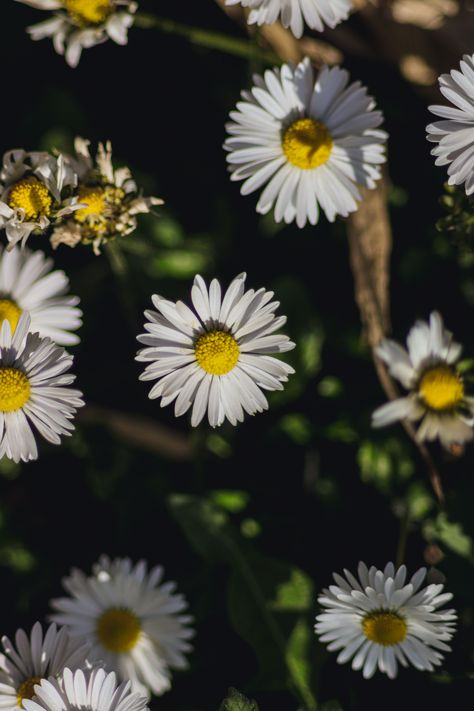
(380, 620)
(35, 190)
(455, 133)
(89, 691)
(27, 283)
(33, 376)
(216, 357)
(294, 13)
(132, 621)
(110, 197)
(34, 658)
(437, 392)
(312, 142)
(79, 24)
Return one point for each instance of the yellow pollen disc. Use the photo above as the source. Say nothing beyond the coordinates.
(216, 352)
(32, 196)
(441, 388)
(307, 143)
(15, 389)
(27, 690)
(118, 629)
(10, 312)
(95, 200)
(385, 628)
(89, 11)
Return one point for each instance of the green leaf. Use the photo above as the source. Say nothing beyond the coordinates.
(451, 534)
(236, 701)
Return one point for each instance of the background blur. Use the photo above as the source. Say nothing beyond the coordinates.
(252, 521)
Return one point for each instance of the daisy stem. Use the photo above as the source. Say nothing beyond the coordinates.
(403, 536)
(119, 267)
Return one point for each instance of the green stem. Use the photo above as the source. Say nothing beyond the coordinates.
(403, 536)
(119, 267)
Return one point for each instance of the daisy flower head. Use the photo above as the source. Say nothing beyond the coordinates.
(79, 24)
(294, 13)
(28, 283)
(90, 690)
(455, 133)
(33, 658)
(33, 391)
(36, 189)
(132, 620)
(380, 621)
(311, 141)
(428, 369)
(215, 358)
(109, 197)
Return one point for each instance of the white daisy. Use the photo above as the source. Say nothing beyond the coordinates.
(429, 371)
(90, 691)
(311, 141)
(79, 24)
(110, 199)
(455, 133)
(27, 283)
(381, 621)
(294, 13)
(215, 358)
(132, 622)
(32, 391)
(33, 658)
(35, 190)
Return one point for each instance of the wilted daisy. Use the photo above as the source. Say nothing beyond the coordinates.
(78, 24)
(294, 13)
(312, 142)
(455, 133)
(32, 391)
(215, 358)
(437, 393)
(380, 620)
(132, 621)
(34, 658)
(27, 283)
(89, 691)
(35, 190)
(110, 197)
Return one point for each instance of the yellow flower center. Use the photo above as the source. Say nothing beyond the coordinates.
(10, 312)
(95, 200)
(385, 628)
(32, 196)
(88, 11)
(441, 388)
(118, 629)
(15, 389)
(216, 352)
(307, 143)
(27, 690)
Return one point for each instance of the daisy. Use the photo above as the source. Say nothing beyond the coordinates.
(216, 357)
(35, 190)
(34, 658)
(90, 691)
(32, 391)
(79, 24)
(131, 620)
(316, 13)
(429, 371)
(381, 621)
(312, 142)
(27, 283)
(109, 196)
(455, 133)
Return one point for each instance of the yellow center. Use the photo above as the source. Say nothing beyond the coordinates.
(95, 200)
(118, 629)
(385, 628)
(216, 352)
(32, 196)
(441, 388)
(88, 11)
(307, 143)
(10, 312)
(15, 389)
(27, 690)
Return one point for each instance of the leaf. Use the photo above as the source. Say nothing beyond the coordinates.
(451, 534)
(236, 701)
